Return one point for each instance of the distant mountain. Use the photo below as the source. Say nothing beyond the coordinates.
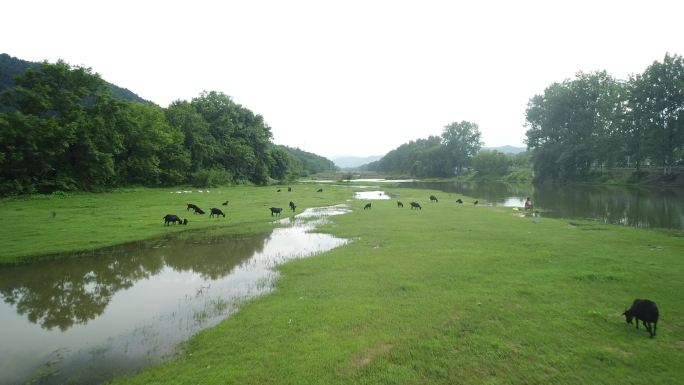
(506, 149)
(354, 161)
(11, 67)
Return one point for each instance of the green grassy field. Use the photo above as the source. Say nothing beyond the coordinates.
(451, 294)
(53, 226)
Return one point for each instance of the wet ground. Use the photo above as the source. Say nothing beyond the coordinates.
(87, 320)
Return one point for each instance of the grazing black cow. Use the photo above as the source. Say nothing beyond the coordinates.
(276, 211)
(185, 221)
(433, 199)
(476, 202)
(292, 206)
(191, 206)
(459, 201)
(198, 210)
(170, 218)
(399, 204)
(225, 203)
(646, 311)
(289, 189)
(367, 206)
(278, 190)
(217, 212)
(319, 190)
(415, 205)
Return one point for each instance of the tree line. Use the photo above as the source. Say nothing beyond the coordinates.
(596, 121)
(457, 150)
(62, 129)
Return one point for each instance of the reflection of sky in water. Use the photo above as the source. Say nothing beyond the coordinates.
(513, 202)
(143, 323)
(371, 195)
(371, 180)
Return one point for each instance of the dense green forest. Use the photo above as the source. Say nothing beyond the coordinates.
(61, 128)
(595, 121)
(11, 67)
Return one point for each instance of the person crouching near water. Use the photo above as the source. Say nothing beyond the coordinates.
(528, 204)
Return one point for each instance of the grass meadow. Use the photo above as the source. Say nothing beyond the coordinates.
(54, 226)
(450, 294)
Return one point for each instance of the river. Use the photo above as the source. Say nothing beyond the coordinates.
(628, 206)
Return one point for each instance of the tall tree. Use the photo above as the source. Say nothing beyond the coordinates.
(575, 125)
(62, 130)
(462, 142)
(153, 151)
(658, 103)
(243, 138)
(490, 164)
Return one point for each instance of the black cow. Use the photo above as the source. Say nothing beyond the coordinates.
(476, 202)
(415, 205)
(170, 218)
(185, 221)
(191, 206)
(225, 203)
(217, 212)
(646, 311)
(276, 211)
(198, 210)
(289, 189)
(367, 206)
(459, 201)
(292, 206)
(319, 190)
(399, 204)
(278, 190)
(433, 199)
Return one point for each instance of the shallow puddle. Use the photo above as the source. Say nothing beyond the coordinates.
(87, 320)
(371, 195)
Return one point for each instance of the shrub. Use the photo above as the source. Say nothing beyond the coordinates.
(211, 177)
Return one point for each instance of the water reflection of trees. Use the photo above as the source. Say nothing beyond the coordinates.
(60, 294)
(630, 207)
(489, 191)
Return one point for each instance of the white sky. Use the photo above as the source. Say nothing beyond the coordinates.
(350, 77)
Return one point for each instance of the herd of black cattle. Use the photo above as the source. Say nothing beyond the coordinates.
(643, 310)
(275, 211)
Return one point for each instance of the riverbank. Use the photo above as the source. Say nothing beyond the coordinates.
(453, 294)
(447, 294)
(57, 226)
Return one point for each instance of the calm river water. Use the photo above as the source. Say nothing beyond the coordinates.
(637, 207)
(86, 320)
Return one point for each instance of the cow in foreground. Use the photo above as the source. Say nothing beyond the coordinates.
(433, 199)
(276, 211)
(400, 205)
(415, 205)
(170, 218)
(367, 206)
(646, 311)
(293, 206)
(217, 212)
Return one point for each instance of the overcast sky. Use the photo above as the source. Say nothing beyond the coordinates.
(350, 77)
